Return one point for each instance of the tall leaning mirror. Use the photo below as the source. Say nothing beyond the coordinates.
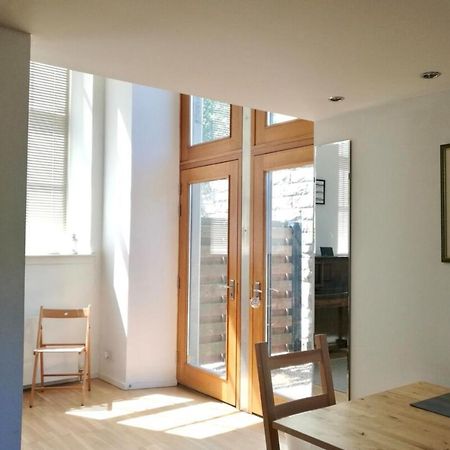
(332, 257)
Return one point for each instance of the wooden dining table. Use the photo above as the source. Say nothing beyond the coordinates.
(384, 421)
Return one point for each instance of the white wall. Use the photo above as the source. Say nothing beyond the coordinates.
(116, 231)
(400, 290)
(140, 236)
(14, 63)
(151, 358)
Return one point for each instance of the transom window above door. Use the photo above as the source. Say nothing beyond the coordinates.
(210, 130)
(275, 131)
(277, 118)
(210, 120)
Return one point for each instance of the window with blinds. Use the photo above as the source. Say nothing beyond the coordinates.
(47, 159)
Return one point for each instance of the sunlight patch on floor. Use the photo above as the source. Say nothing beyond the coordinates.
(121, 408)
(217, 426)
(180, 417)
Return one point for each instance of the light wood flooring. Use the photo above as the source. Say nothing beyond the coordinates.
(148, 419)
(165, 418)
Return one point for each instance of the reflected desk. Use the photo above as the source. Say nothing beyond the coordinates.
(331, 298)
(333, 301)
(384, 421)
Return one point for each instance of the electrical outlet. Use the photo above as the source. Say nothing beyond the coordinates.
(107, 355)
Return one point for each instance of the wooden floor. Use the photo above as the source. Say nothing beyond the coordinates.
(167, 418)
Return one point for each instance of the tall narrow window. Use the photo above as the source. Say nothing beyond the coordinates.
(47, 159)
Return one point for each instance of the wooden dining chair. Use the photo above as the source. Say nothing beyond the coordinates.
(266, 364)
(45, 348)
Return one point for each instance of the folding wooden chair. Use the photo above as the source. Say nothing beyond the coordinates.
(42, 349)
(267, 363)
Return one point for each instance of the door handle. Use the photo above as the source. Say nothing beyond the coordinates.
(231, 289)
(255, 301)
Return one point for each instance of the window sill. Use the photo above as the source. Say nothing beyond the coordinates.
(59, 259)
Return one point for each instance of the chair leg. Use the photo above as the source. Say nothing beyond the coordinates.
(85, 377)
(33, 380)
(89, 370)
(41, 364)
(271, 434)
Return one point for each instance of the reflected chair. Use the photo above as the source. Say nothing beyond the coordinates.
(82, 349)
(266, 364)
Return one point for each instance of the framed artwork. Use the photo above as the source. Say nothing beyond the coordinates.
(445, 203)
(320, 192)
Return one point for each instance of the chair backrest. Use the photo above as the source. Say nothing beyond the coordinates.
(80, 313)
(47, 313)
(266, 364)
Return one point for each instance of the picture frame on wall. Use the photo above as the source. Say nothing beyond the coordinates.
(445, 203)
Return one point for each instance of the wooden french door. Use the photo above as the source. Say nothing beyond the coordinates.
(208, 288)
(282, 252)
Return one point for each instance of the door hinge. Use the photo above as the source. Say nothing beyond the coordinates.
(179, 210)
(178, 282)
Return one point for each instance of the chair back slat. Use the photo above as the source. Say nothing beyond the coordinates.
(82, 313)
(266, 363)
(50, 313)
(300, 405)
(294, 359)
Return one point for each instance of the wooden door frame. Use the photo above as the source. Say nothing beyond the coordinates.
(191, 376)
(262, 163)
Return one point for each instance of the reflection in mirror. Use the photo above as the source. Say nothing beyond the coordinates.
(332, 256)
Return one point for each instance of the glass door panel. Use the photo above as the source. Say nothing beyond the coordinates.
(208, 291)
(289, 258)
(208, 277)
(289, 252)
(282, 265)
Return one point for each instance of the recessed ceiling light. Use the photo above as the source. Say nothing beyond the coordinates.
(430, 75)
(336, 98)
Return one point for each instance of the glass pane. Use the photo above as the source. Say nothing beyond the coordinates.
(276, 118)
(289, 269)
(208, 269)
(210, 120)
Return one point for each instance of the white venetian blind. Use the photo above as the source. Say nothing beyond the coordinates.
(47, 158)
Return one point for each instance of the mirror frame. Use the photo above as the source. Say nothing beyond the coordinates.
(445, 204)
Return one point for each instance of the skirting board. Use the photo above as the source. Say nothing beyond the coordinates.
(139, 384)
(114, 382)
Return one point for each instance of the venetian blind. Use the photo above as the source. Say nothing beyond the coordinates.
(47, 158)
(343, 198)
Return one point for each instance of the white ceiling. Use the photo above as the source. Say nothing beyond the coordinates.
(281, 55)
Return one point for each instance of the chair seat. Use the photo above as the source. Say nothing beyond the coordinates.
(69, 348)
